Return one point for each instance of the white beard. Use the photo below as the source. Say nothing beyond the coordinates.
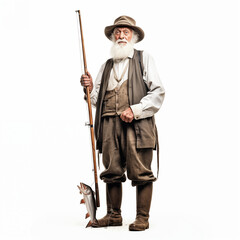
(121, 51)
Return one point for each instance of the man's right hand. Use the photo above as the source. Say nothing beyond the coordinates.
(86, 81)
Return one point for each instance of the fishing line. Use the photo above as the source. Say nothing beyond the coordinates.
(90, 124)
(80, 55)
(79, 43)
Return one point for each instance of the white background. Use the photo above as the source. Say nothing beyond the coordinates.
(45, 147)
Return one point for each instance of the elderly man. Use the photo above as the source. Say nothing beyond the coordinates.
(127, 93)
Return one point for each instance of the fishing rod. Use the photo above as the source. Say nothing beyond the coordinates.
(90, 114)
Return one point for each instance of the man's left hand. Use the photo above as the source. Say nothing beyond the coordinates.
(127, 115)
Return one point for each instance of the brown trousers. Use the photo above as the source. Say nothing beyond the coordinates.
(119, 154)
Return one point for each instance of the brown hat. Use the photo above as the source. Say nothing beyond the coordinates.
(124, 21)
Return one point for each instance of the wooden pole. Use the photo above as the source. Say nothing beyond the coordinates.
(90, 115)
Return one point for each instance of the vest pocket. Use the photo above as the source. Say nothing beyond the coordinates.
(145, 133)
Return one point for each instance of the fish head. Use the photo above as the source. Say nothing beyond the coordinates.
(84, 189)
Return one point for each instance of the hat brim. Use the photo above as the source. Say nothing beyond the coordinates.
(109, 30)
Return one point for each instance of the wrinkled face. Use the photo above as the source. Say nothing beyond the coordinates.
(123, 35)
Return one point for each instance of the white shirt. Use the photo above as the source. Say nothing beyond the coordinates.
(150, 103)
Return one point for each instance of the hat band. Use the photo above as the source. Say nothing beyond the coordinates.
(124, 23)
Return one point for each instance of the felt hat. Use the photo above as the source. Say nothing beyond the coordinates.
(124, 21)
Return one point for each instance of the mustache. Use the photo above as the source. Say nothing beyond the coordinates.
(121, 40)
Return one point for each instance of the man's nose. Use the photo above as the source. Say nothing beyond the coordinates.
(121, 35)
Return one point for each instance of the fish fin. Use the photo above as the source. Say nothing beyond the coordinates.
(82, 201)
(87, 215)
(89, 224)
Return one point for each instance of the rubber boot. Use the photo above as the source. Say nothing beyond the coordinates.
(114, 201)
(144, 198)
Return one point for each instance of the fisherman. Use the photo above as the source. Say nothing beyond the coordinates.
(127, 93)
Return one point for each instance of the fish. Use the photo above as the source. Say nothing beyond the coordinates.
(89, 200)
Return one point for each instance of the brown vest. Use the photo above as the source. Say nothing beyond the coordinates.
(145, 129)
(115, 101)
